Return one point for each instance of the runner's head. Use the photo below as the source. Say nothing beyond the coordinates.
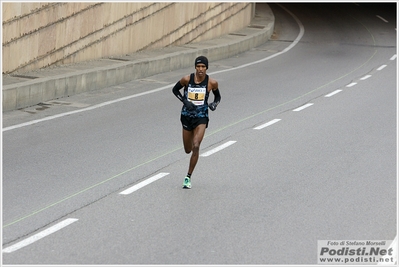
(201, 60)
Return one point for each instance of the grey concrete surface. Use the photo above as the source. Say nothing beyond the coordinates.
(53, 83)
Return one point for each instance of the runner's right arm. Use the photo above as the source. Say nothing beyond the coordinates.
(176, 91)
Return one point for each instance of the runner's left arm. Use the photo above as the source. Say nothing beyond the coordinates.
(216, 100)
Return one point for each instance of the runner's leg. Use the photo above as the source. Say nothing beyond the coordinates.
(198, 135)
(188, 140)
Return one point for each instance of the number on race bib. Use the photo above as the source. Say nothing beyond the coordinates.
(196, 95)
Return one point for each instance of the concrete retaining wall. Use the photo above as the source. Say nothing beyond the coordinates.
(42, 34)
(57, 82)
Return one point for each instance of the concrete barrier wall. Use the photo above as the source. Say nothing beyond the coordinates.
(41, 34)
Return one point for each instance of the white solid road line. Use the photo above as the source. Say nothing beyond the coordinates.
(39, 236)
(143, 183)
(294, 43)
(86, 109)
(216, 149)
(333, 93)
(267, 124)
(303, 107)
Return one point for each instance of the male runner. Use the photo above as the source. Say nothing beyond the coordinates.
(194, 113)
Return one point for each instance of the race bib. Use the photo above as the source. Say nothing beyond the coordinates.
(196, 95)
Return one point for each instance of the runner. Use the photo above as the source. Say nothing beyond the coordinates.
(194, 113)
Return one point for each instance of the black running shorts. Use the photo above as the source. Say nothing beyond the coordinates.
(190, 123)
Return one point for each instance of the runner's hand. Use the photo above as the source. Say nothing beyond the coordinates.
(212, 106)
(189, 105)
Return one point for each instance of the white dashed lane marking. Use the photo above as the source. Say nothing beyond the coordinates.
(351, 84)
(39, 236)
(381, 18)
(303, 107)
(216, 149)
(365, 77)
(267, 124)
(381, 67)
(333, 93)
(143, 183)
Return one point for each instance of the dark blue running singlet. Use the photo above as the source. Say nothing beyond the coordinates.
(197, 94)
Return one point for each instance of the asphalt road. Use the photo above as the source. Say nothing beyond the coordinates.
(321, 165)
